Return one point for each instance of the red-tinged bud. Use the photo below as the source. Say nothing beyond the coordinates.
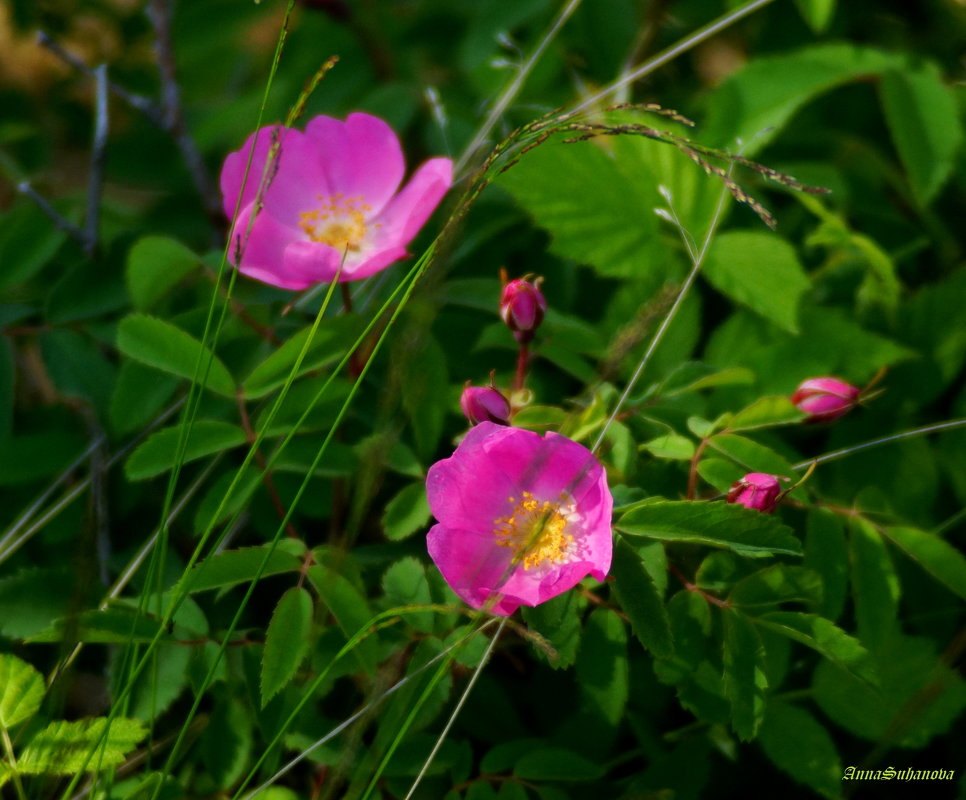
(485, 404)
(756, 490)
(825, 399)
(522, 307)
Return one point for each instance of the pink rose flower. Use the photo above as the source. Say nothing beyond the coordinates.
(522, 517)
(522, 307)
(332, 194)
(758, 491)
(825, 399)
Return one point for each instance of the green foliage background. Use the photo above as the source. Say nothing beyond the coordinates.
(729, 653)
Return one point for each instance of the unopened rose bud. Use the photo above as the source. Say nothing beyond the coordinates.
(485, 404)
(825, 399)
(522, 307)
(756, 490)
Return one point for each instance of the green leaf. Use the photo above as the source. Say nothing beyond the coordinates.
(286, 641)
(744, 674)
(62, 748)
(939, 558)
(582, 196)
(116, 624)
(817, 13)
(824, 637)
(405, 584)
(350, 609)
(640, 600)
(760, 271)
(21, 690)
(331, 342)
(226, 745)
(799, 744)
(161, 683)
(826, 552)
(159, 452)
(602, 670)
(766, 412)
(27, 243)
(32, 599)
(749, 455)
(77, 367)
(923, 118)
(779, 583)
(719, 473)
(556, 764)
(918, 696)
(558, 621)
(406, 513)
(238, 566)
(425, 404)
(670, 446)
(155, 264)
(161, 345)
(139, 395)
(875, 585)
(748, 533)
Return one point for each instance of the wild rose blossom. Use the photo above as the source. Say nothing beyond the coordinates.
(825, 399)
(758, 491)
(332, 194)
(522, 517)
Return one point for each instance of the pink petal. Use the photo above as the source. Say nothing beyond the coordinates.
(470, 563)
(408, 211)
(314, 261)
(262, 252)
(356, 267)
(360, 156)
(296, 178)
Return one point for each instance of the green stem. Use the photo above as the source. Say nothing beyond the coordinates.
(8, 752)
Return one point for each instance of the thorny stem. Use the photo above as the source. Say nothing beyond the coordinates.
(692, 587)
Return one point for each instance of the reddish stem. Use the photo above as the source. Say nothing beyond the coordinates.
(693, 472)
(694, 588)
(523, 360)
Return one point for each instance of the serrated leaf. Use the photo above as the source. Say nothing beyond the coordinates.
(766, 412)
(640, 600)
(558, 621)
(875, 585)
(602, 670)
(232, 567)
(939, 558)
(826, 552)
(750, 455)
(286, 641)
(164, 346)
(918, 696)
(21, 690)
(406, 513)
(424, 403)
(116, 624)
(748, 533)
(140, 393)
(159, 452)
(824, 637)
(154, 265)
(760, 271)
(670, 446)
(744, 674)
(581, 195)
(350, 609)
(65, 748)
(32, 599)
(923, 118)
(799, 744)
(330, 343)
(226, 745)
(405, 584)
(779, 583)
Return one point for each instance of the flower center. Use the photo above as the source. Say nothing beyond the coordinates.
(339, 222)
(536, 532)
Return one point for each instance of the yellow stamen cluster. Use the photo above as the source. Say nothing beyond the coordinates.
(536, 532)
(339, 222)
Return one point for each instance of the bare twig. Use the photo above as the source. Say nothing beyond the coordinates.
(60, 221)
(98, 154)
(172, 113)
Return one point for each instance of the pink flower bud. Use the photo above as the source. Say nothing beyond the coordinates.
(522, 307)
(756, 490)
(825, 399)
(485, 404)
